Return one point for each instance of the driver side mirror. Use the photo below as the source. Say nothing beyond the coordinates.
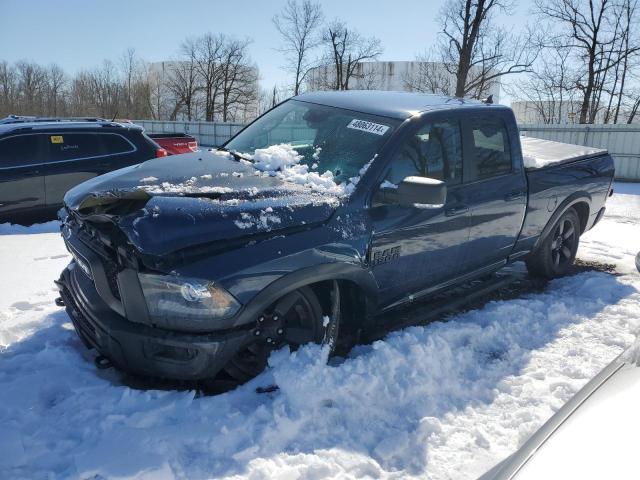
(413, 191)
(422, 191)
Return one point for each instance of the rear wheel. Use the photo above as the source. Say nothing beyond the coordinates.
(557, 252)
(293, 320)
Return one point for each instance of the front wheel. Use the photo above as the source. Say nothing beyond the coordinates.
(295, 319)
(557, 252)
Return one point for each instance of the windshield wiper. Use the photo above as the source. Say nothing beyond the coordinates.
(235, 154)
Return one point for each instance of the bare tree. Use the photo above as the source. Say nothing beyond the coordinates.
(270, 97)
(214, 71)
(56, 83)
(591, 29)
(237, 79)
(183, 80)
(297, 24)
(129, 65)
(634, 106)
(476, 50)
(8, 88)
(627, 49)
(550, 89)
(107, 90)
(208, 57)
(429, 77)
(32, 80)
(346, 49)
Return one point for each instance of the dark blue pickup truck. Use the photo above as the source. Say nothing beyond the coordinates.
(326, 212)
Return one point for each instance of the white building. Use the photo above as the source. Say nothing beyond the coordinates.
(552, 112)
(429, 77)
(549, 111)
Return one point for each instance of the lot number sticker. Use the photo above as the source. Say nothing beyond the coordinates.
(368, 127)
(57, 139)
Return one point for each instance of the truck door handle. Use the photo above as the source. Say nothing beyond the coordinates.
(452, 212)
(511, 196)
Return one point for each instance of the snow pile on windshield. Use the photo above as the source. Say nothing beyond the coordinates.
(275, 157)
(283, 161)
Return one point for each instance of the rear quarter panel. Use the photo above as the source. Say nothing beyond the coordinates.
(554, 188)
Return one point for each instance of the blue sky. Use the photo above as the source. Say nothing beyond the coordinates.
(79, 34)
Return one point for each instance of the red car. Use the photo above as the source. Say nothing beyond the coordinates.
(175, 143)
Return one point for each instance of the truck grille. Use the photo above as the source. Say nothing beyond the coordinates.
(111, 269)
(105, 253)
(86, 331)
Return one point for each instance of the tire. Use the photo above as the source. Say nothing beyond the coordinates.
(295, 319)
(557, 252)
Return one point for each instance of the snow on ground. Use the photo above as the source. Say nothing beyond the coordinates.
(445, 401)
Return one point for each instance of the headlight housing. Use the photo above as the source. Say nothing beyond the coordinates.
(184, 303)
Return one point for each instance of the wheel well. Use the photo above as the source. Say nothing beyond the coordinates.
(582, 209)
(353, 304)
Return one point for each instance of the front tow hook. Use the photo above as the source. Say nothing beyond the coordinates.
(102, 362)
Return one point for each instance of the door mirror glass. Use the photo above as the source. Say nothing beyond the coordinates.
(418, 191)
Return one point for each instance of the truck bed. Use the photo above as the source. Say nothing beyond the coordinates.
(556, 172)
(538, 153)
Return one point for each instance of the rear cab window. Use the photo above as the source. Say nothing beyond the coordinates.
(491, 148)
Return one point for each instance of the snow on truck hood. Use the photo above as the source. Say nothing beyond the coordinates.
(174, 202)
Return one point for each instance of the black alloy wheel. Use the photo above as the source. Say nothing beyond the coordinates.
(555, 255)
(565, 239)
(295, 319)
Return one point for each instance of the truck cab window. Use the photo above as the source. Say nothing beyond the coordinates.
(492, 155)
(435, 151)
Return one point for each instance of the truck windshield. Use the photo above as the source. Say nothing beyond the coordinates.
(326, 138)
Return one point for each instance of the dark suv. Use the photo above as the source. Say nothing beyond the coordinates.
(40, 161)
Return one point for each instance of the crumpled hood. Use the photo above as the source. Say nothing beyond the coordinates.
(171, 203)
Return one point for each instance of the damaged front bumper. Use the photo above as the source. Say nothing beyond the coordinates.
(139, 348)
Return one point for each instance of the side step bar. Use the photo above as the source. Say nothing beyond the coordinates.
(424, 312)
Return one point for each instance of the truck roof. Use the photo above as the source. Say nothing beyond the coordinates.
(399, 105)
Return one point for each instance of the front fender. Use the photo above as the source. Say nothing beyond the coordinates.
(358, 274)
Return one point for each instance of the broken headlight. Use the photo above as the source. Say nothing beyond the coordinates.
(185, 303)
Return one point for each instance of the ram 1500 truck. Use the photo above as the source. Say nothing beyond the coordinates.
(320, 217)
